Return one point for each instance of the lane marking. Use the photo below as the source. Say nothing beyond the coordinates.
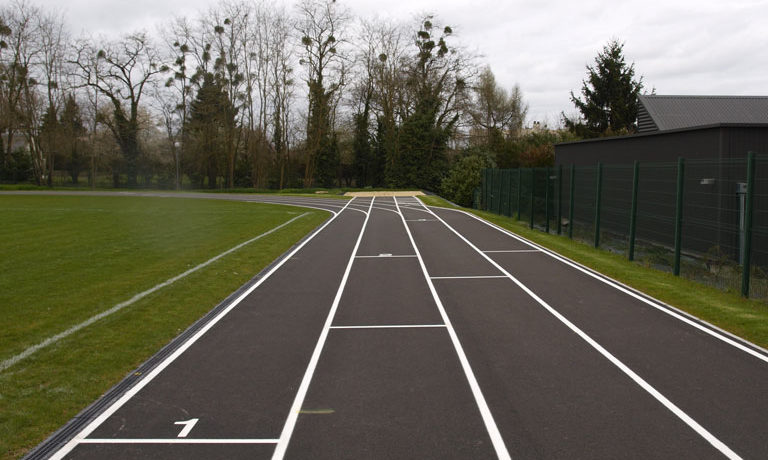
(512, 251)
(176, 441)
(485, 411)
(385, 256)
(468, 277)
(709, 437)
(188, 425)
(391, 326)
(51, 340)
(95, 423)
(685, 317)
(293, 414)
(421, 220)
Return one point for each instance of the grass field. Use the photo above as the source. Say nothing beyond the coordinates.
(66, 259)
(727, 310)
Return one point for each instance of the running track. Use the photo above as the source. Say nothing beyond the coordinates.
(401, 331)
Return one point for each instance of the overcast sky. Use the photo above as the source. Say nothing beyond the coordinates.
(678, 46)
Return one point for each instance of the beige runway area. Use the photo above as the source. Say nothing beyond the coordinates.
(385, 193)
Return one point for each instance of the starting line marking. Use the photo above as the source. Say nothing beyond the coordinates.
(384, 256)
(513, 250)
(390, 326)
(466, 277)
(176, 441)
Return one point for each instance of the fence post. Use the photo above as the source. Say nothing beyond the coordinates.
(519, 190)
(679, 214)
(570, 204)
(498, 186)
(560, 199)
(533, 189)
(509, 194)
(598, 195)
(633, 211)
(484, 204)
(745, 276)
(546, 201)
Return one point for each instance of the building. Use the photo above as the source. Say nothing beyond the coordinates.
(714, 135)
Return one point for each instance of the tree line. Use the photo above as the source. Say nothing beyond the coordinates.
(250, 94)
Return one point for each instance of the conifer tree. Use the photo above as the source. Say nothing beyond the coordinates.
(610, 94)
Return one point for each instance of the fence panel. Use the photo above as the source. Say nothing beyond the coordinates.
(714, 213)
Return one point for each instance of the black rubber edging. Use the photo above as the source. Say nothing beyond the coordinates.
(64, 434)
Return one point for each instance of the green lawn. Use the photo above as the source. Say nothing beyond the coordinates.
(68, 258)
(727, 310)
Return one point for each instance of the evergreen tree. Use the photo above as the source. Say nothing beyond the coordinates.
(437, 86)
(210, 119)
(72, 132)
(610, 94)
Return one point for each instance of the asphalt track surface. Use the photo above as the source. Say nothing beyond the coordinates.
(401, 331)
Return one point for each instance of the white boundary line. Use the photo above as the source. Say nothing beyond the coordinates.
(172, 357)
(480, 277)
(391, 326)
(293, 414)
(176, 441)
(709, 437)
(512, 251)
(485, 411)
(710, 329)
(385, 256)
(51, 340)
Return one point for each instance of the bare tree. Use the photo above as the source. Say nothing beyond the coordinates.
(121, 71)
(21, 29)
(494, 111)
(321, 27)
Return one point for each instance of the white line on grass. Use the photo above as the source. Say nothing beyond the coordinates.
(711, 329)
(482, 405)
(293, 414)
(51, 340)
(81, 436)
(688, 420)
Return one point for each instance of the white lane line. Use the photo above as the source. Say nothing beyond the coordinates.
(293, 414)
(391, 326)
(715, 331)
(51, 340)
(485, 411)
(176, 441)
(467, 277)
(421, 220)
(385, 256)
(688, 420)
(172, 357)
(512, 251)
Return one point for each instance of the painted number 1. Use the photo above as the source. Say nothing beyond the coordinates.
(188, 425)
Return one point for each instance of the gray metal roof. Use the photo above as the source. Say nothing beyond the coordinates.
(662, 113)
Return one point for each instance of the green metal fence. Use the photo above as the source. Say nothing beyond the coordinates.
(701, 219)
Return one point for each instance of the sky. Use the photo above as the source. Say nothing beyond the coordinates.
(679, 47)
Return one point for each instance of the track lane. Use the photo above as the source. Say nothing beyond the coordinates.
(240, 377)
(388, 392)
(605, 397)
(720, 386)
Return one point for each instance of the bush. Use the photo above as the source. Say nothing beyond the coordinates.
(464, 177)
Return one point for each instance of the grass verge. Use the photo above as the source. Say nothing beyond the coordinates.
(68, 258)
(728, 310)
